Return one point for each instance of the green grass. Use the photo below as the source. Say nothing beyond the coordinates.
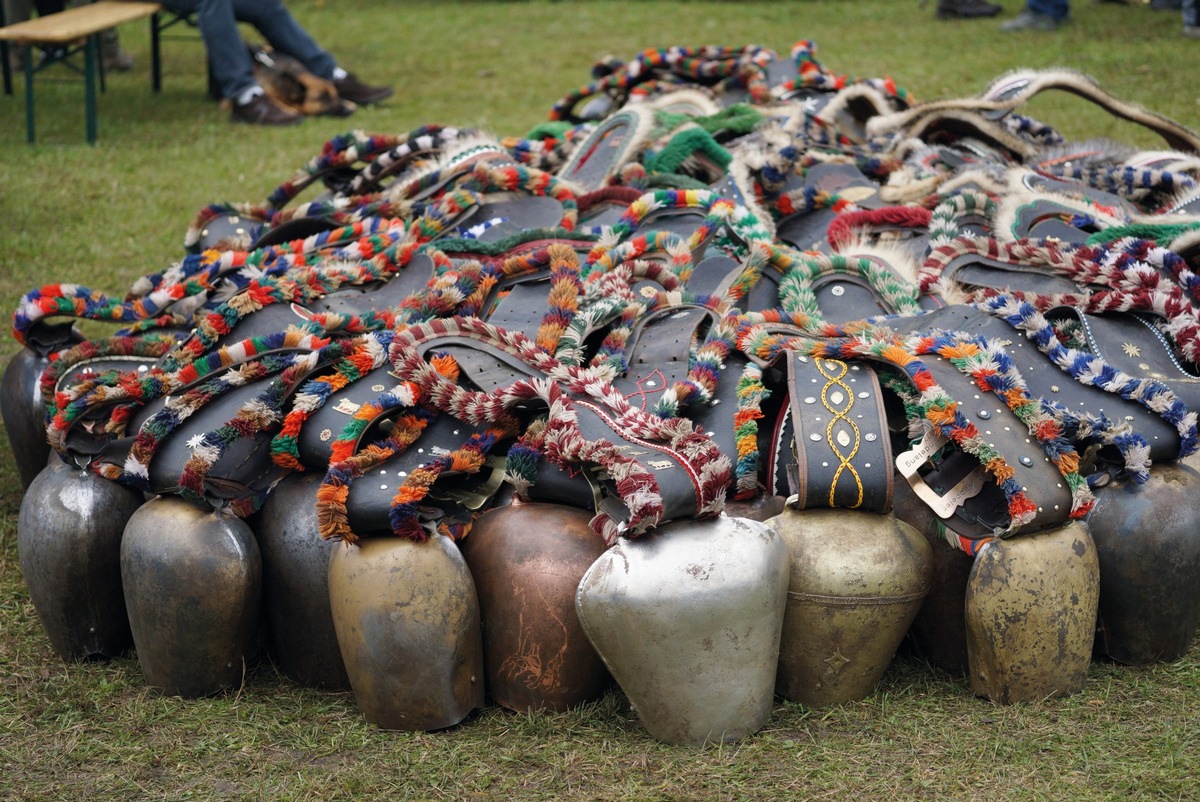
(104, 215)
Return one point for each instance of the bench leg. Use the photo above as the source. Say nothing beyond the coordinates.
(29, 133)
(8, 89)
(91, 55)
(155, 54)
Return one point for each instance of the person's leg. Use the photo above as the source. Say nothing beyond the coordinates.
(110, 45)
(283, 33)
(15, 11)
(1190, 18)
(231, 67)
(1056, 9)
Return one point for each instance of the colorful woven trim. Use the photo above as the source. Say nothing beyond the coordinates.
(813, 75)
(151, 346)
(358, 358)
(931, 406)
(564, 445)
(849, 225)
(1090, 369)
(127, 391)
(721, 213)
(801, 269)
(946, 220)
(743, 67)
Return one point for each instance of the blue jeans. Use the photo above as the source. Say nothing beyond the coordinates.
(231, 66)
(1052, 8)
(1189, 14)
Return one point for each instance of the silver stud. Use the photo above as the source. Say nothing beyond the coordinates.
(838, 291)
(870, 437)
(1026, 461)
(983, 413)
(816, 438)
(809, 400)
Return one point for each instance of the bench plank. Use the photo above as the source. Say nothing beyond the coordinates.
(77, 23)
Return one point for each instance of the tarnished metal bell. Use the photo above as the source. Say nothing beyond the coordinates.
(1031, 614)
(193, 583)
(24, 417)
(69, 546)
(296, 584)
(527, 560)
(407, 621)
(857, 581)
(762, 507)
(687, 618)
(938, 634)
(1148, 539)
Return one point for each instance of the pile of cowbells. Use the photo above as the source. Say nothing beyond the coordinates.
(727, 382)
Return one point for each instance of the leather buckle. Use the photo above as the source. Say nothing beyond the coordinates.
(944, 506)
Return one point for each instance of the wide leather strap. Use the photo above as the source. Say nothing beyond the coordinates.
(1046, 380)
(841, 452)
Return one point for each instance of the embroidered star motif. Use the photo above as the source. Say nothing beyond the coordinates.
(194, 441)
(1131, 350)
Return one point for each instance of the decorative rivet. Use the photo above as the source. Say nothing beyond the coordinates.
(1026, 461)
(816, 438)
(870, 437)
(864, 395)
(983, 413)
(383, 487)
(809, 400)
(838, 290)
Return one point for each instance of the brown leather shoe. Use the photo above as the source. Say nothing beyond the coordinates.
(354, 90)
(262, 110)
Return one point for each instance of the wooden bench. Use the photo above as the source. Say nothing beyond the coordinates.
(75, 31)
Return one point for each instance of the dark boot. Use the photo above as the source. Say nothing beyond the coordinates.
(966, 9)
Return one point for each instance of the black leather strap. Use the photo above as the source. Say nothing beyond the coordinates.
(841, 451)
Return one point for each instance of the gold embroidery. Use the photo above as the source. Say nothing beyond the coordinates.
(838, 392)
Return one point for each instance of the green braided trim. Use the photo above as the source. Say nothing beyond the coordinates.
(555, 130)
(1159, 232)
(684, 146)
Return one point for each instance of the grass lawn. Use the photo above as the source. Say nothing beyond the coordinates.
(104, 215)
